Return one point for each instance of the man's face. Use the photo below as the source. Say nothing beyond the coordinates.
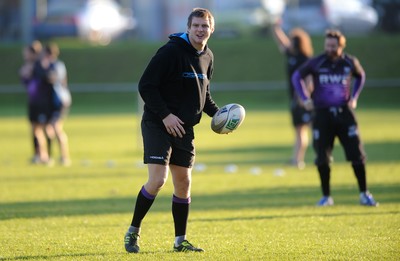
(332, 48)
(199, 32)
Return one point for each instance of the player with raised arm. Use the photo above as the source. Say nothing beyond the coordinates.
(297, 48)
(334, 99)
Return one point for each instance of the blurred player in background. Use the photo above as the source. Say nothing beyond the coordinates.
(37, 102)
(61, 99)
(30, 54)
(297, 49)
(334, 100)
(175, 88)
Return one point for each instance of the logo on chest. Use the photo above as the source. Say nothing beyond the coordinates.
(193, 75)
(335, 78)
(332, 78)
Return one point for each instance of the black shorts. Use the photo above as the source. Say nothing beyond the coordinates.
(59, 114)
(336, 122)
(300, 116)
(164, 149)
(40, 113)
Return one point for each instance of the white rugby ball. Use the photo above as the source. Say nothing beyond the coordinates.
(228, 118)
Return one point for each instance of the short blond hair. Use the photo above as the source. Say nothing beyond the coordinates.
(336, 34)
(203, 13)
(35, 47)
(52, 49)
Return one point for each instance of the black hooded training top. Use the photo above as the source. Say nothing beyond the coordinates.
(177, 81)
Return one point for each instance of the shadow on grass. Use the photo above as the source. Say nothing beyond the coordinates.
(376, 152)
(94, 256)
(44, 257)
(235, 200)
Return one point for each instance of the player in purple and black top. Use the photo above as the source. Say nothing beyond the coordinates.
(38, 100)
(334, 101)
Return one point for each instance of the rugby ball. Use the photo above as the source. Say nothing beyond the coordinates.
(228, 118)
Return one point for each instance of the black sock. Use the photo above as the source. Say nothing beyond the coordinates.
(359, 171)
(325, 174)
(180, 213)
(48, 145)
(35, 145)
(143, 203)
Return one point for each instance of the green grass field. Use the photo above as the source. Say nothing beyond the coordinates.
(263, 211)
(236, 60)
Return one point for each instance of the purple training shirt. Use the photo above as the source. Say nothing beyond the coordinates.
(332, 80)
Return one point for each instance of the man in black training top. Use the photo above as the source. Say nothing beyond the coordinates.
(334, 101)
(175, 88)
